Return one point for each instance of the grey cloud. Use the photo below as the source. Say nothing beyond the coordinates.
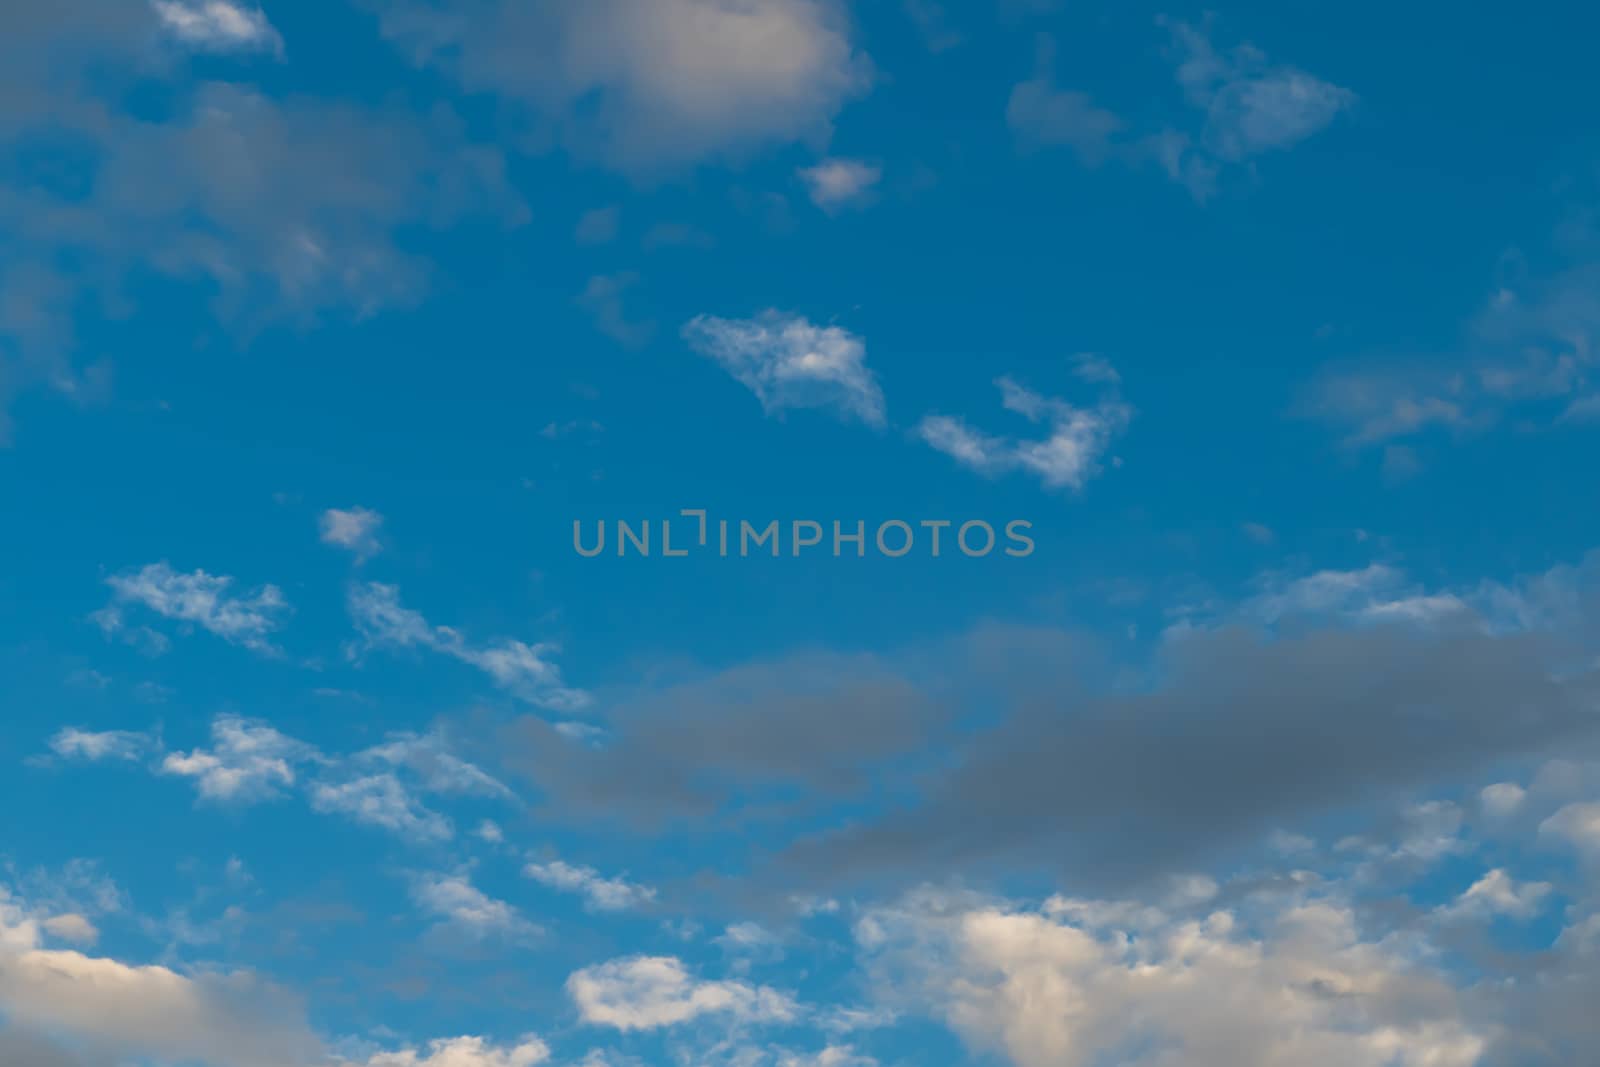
(1242, 735)
(822, 724)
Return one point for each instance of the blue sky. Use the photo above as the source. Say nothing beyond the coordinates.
(1270, 328)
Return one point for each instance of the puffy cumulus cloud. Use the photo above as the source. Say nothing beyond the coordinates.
(837, 183)
(788, 362)
(651, 992)
(1066, 458)
(218, 25)
(599, 892)
(463, 1052)
(1497, 893)
(1085, 982)
(121, 1011)
(247, 761)
(355, 529)
(525, 671)
(643, 83)
(197, 599)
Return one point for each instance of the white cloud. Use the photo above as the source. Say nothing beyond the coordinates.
(599, 893)
(789, 363)
(381, 800)
(198, 599)
(93, 746)
(837, 183)
(1577, 824)
(1303, 991)
(247, 761)
(218, 25)
(830, 1056)
(465, 1052)
(523, 670)
(71, 927)
(468, 911)
(647, 82)
(1497, 893)
(355, 529)
(143, 1013)
(1502, 799)
(650, 992)
(1064, 459)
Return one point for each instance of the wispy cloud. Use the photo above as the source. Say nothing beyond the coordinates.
(198, 599)
(789, 363)
(1066, 457)
(525, 671)
(599, 893)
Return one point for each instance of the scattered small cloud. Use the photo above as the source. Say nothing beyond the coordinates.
(599, 893)
(355, 529)
(1066, 458)
(834, 184)
(218, 25)
(197, 599)
(789, 363)
(525, 671)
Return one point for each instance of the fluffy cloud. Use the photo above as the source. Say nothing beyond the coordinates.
(650, 992)
(646, 82)
(1066, 458)
(355, 529)
(788, 362)
(599, 893)
(145, 1012)
(464, 1052)
(1077, 983)
(523, 670)
(198, 599)
(247, 761)
(1497, 893)
(218, 25)
(837, 183)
